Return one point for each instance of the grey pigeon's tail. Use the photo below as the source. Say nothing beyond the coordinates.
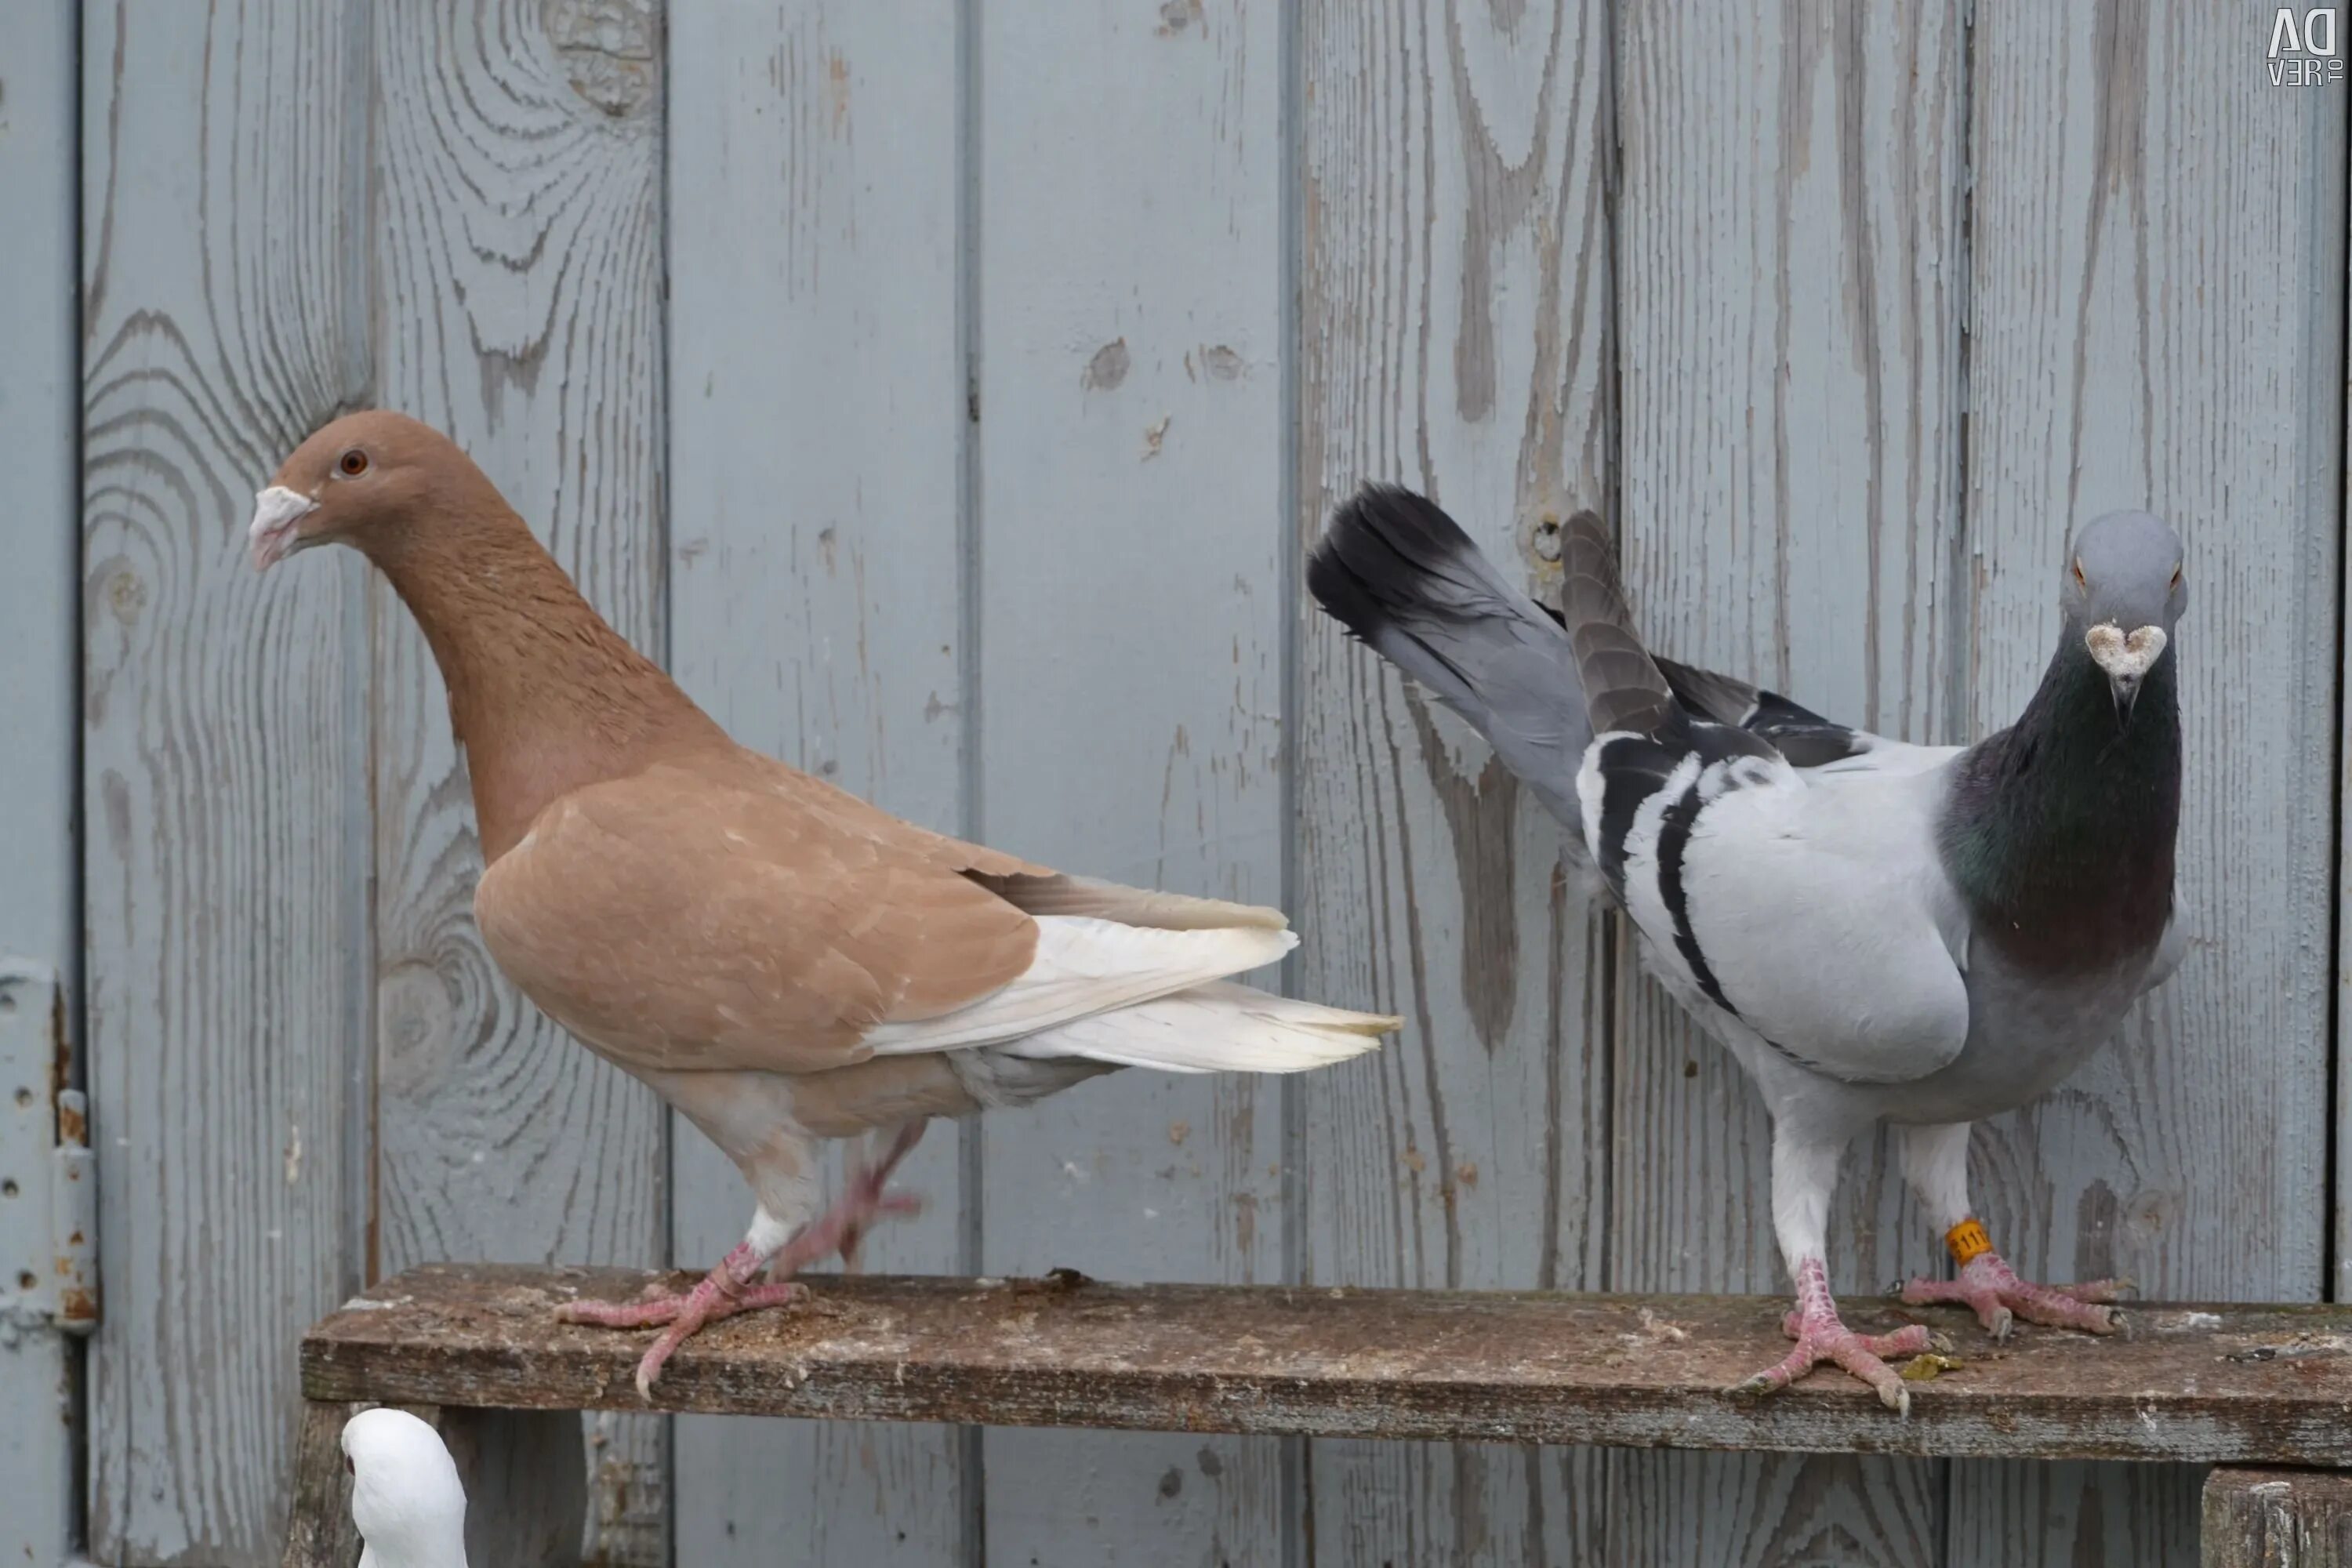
(1623, 688)
(1402, 575)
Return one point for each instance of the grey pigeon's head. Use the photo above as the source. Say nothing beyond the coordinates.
(2123, 592)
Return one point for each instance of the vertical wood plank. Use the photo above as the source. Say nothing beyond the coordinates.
(1133, 608)
(2156, 318)
(225, 741)
(519, 269)
(1454, 335)
(40, 537)
(818, 446)
(39, 432)
(1789, 322)
(2276, 1518)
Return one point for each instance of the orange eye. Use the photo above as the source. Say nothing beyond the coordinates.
(354, 463)
(2175, 576)
(2080, 581)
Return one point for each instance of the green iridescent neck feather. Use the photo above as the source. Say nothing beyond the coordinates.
(2060, 830)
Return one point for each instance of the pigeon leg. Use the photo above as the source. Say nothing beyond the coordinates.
(867, 1181)
(723, 1292)
(728, 1289)
(1803, 1174)
(1821, 1336)
(1935, 1162)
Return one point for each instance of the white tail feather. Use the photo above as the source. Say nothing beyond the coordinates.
(1086, 966)
(1216, 1028)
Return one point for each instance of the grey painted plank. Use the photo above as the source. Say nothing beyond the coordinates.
(39, 419)
(1133, 608)
(1453, 335)
(2159, 256)
(519, 269)
(225, 783)
(40, 853)
(1790, 352)
(816, 578)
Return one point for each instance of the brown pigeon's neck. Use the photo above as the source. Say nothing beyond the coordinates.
(544, 697)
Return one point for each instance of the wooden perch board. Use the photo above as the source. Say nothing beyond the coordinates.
(2250, 1385)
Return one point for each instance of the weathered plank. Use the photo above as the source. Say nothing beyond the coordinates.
(2277, 1519)
(320, 1530)
(1454, 334)
(816, 579)
(2237, 1385)
(225, 781)
(1789, 311)
(2125, 354)
(519, 264)
(40, 538)
(1132, 612)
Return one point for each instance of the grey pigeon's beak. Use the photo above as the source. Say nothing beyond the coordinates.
(271, 537)
(2126, 660)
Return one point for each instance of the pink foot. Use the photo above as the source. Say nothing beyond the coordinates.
(1991, 1287)
(1821, 1336)
(723, 1292)
(728, 1288)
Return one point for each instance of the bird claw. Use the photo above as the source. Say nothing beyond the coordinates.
(1992, 1288)
(1821, 1337)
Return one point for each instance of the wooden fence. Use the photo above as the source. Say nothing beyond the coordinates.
(947, 389)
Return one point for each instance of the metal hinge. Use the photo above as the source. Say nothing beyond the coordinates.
(48, 1180)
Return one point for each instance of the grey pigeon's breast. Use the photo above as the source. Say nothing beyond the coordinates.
(2027, 1033)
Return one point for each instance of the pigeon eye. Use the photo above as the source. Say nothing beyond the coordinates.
(353, 464)
(2175, 577)
(2080, 580)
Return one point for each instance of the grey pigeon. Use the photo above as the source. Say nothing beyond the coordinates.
(1920, 935)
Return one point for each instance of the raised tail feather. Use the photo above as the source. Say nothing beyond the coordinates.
(1402, 575)
(1625, 688)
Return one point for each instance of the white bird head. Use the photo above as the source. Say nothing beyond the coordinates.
(406, 1499)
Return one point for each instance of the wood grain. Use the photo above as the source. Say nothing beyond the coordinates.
(816, 579)
(2149, 217)
(1789, 313)
(225, 756)
(1133, 607)
(2254, 1383)
(1454, 333)
(2276, 1518)
(518, 210)
(320, 1530)
(40, 849)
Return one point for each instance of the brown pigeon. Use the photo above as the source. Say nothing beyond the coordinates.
(780, 961)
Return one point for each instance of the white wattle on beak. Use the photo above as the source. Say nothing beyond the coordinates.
(2127, 658)
(276, 510)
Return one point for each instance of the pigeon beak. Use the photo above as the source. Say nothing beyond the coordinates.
(2124, 690)
(2127, 659)
(271, 536)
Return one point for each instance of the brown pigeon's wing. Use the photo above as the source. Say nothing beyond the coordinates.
(1039, 889)
(844, 812)
(675, 922)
